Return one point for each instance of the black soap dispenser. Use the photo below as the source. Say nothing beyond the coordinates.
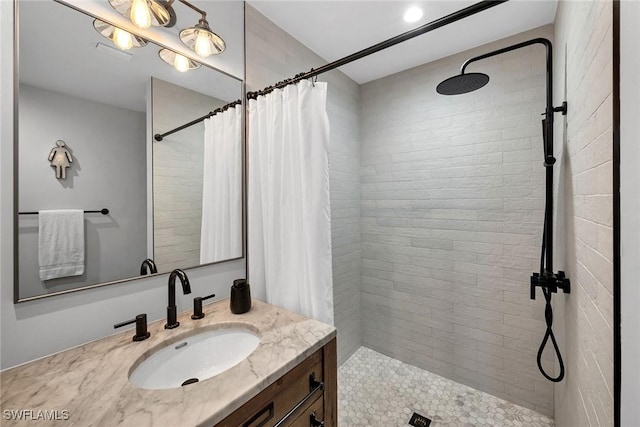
(240, 296)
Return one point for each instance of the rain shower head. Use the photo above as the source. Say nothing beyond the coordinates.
(462, 83)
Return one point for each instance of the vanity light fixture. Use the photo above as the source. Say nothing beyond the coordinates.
(145, 13)
(121, 38)
(200, 38)
(179, 62)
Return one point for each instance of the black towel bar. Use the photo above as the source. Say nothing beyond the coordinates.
(103, 211)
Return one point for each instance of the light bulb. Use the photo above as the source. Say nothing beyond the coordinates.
(413, 14)
(203, 44)
(181, 63)
(122, 39)
(140, 14)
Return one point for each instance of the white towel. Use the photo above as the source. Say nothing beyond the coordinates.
(61, 243)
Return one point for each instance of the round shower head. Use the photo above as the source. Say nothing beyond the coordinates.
(462, 83)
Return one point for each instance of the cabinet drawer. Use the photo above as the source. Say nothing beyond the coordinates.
(316, 410)
(277, 400)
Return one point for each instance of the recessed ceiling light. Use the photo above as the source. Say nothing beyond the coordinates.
(413, 14)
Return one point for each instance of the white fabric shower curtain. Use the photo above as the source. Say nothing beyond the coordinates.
(289, 212)
(221, 231)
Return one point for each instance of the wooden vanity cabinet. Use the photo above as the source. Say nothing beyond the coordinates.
(306, 396)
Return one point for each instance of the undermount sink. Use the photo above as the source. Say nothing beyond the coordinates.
(195, 358)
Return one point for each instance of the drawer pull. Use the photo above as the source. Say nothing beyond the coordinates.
(314, 422)
(257, 416)
(314, 386)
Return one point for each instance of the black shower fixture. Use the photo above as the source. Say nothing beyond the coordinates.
(462, 83)
(546, 279)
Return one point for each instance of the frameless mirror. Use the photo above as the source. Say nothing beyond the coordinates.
(86, 115)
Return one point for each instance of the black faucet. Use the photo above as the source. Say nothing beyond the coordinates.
(172, 321)
(148, 267)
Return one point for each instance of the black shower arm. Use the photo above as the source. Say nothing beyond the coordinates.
(547, 135)
(540, 40)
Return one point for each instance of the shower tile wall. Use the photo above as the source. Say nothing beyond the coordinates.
(177, 175)
(452, 206)
(584, 29)
(271, 56)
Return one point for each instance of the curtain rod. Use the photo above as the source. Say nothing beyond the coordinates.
(430, 26)
(159, 137)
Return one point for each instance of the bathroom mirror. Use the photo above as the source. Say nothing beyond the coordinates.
(165, 201)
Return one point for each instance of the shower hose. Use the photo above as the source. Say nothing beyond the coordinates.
(548, 315)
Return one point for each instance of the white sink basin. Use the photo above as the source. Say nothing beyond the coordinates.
(198, 357)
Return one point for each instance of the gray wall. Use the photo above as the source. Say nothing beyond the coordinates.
(452, 209)
(630, 206)
(583, 32)
(273, 55)
(177, 174)
(35, 329)
(108, 170)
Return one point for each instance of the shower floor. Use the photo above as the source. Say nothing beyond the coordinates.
(375, 390)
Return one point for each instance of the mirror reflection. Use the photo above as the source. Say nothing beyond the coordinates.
(197, 205)
(87, 112)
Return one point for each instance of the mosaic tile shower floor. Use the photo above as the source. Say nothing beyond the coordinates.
(375, 390)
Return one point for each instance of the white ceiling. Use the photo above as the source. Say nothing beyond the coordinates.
(335, 29)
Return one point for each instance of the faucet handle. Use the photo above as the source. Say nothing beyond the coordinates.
(141, 327)
(197, 306)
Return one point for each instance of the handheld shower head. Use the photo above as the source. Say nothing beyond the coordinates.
(462, 83)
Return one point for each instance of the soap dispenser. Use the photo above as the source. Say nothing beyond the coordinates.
(240, 296)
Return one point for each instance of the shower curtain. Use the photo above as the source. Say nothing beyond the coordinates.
(289, 216)
(221, 231)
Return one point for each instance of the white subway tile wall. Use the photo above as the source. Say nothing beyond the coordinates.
(271, 56)
(452, 200)
(584, 54)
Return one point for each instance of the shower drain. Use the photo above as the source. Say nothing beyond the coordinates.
(418, 420)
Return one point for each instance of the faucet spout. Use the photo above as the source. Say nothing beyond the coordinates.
(172, 315)
(148, 267)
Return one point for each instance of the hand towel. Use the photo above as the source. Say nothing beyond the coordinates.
(61, 243)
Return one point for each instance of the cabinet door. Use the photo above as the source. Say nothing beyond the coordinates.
(277, 400)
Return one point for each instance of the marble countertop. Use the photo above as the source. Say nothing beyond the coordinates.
(91, 382)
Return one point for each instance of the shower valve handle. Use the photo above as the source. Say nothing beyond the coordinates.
(550, 281)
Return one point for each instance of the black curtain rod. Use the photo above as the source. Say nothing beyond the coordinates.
(430, 26)
(103, 211)
(159, 137)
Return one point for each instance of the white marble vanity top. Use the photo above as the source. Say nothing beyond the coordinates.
(89, 384)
